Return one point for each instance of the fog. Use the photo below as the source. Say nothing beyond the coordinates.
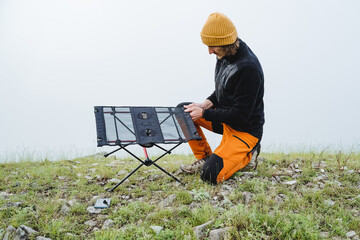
(59, 59)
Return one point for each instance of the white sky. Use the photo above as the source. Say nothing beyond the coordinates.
(58, 59)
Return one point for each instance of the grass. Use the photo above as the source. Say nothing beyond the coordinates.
(53, 197)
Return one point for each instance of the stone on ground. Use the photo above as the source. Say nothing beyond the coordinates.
(218, 234)
(156, 229)
(93, 210)
(168, 201)
(350, 234)
(200, 231)
(90, 223)
(109, 223)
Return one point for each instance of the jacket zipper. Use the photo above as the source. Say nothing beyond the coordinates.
(242, 141)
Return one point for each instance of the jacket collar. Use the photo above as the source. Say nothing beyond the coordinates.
(232, 58)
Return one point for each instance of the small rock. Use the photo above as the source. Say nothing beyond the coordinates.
(65, 209)
(42, 238)
(61, 177)
(337, 183)
(226, 203)
(280, 198)
(248, 174)
(109, 223)
(247, 197)
(200, 231)
(23, 232)
(88, 177)
(122, 172)
(28, 230)
(329, 202)
(9, 233)
(218, 234)
(290, 182)
(5, 195)
(319, 178)
(277, 179)
(153, 177)
(61, 200)
(20, 234)
(168, 201)
(114, 180)
(14, 204)
(151, 170)
(94, 164)
(295, 176)
(111, 165)
(226, 188)
(156, 229)
(90, 223)
(93, 210)
(324, 234)
(73, 202)
(125, 197)
(323, 164)
(350, 171)
(350, 234)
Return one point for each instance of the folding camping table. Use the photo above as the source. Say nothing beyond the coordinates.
(145, 126)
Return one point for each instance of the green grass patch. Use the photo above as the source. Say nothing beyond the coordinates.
(53, 198)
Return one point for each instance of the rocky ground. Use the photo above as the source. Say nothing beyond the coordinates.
(304, 196)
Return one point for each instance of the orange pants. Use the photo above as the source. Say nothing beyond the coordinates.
(233, 153)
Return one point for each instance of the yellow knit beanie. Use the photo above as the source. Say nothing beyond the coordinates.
(218, 31)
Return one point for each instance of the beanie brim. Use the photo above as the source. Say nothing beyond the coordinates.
(215, 41)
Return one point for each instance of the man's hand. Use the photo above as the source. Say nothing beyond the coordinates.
(196, 112)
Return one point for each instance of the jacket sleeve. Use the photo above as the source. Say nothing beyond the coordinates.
(213, 99)
(247, 84)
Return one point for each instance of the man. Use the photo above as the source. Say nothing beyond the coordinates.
(235, 109)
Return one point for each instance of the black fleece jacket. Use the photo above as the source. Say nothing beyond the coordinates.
(239, 91)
